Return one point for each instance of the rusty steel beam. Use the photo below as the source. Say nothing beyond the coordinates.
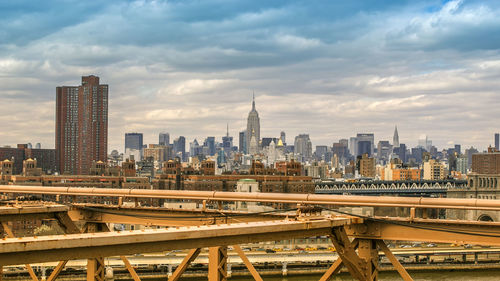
(255, 274)
(159, 216)
(217, 263)
(95, 269)
(347, 252)
(66, 223)
(57, 270)
(339, 200)
(397, 265)
(10, 234)
(334, 269)
(438, 231)
(190, 257)
(367, 251)
(29, 211)
(130, 269)
(88, 245)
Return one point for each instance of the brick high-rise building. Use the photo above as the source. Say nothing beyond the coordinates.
(486, 163)
(81, 125)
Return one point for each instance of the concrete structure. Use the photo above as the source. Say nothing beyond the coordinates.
(81, 125)
(246, 185)
(480, 186)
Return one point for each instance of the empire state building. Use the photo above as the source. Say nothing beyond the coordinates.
(253, 130)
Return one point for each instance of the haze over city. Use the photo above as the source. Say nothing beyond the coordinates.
(330, 70)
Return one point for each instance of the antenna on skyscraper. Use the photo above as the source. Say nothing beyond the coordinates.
(253, 100)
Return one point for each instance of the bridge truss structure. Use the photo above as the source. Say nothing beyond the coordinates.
(358, 240)
(421, 188)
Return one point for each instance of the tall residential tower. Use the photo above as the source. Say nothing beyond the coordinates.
(81, 125)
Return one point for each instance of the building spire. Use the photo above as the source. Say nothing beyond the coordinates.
(395, 138)
(253, 101)
(227, 129)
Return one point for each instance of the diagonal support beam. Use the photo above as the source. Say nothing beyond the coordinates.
(334, 269)
(337, 265)
(130, 269)
(190, 257)
(31, 272)
(57, 270)
(248, 264)
(66, 223)
(10, 234)
(347, 252)
(397, 265)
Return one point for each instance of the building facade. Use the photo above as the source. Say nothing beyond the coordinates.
(367, 166)
(45, 158)
(433, 170)
(81, 125)
(486, 163)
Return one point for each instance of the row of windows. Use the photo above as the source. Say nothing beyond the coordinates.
(485, 197)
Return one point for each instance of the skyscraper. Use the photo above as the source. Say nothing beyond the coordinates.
(303, 147)
(395, 138)
(253, 127)
(164, 139)
(133, 141)
(497, 141)
(365, 143)
(209, 143)
(283, 137)
(227, 141)
(81, 125)
(180, 147)
(242, 147)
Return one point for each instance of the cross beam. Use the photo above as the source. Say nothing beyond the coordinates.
(101, 213)
(15, 251)
(437, 231)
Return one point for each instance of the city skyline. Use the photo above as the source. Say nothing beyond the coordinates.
(328, 70)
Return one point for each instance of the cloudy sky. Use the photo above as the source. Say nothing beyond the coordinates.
(327, 68)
